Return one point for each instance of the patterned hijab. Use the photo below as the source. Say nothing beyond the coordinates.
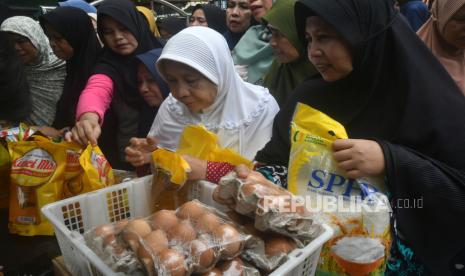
(46, 76)
(431, 33)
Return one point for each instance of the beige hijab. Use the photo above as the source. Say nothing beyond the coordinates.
(431, 33)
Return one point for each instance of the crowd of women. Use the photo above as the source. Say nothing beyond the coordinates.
(240, 73)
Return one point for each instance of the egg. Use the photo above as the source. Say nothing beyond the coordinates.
(279, 244)
(232, 267)
(135, 229)
(149, 267)
(229, 238)
(250, 229)
(183, 232)
(156, 241)
(104, 230)
(164, 220)
(208, 222)
(172, 262)
(190, 210)
(213, 272)
(107, 233)
(119, 225)
(202, 255)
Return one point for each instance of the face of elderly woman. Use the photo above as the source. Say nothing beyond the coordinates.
(454, 30)
(189, 86)
(26, 51)
(327, 50)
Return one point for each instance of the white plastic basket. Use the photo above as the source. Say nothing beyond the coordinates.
(73, 216)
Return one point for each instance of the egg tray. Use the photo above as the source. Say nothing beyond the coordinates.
(248, 199)
(191, 239)
(72, 217)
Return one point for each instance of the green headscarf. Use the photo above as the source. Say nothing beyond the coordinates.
(254, 51)
(283, 78)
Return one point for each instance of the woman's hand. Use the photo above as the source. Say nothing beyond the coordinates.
(86, 130)
(139, 151)
(359, 157)
(198, 168)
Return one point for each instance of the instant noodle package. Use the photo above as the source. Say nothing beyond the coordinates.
(43, 172)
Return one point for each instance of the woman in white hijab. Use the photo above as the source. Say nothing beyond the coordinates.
(205, 89)
(45, 73)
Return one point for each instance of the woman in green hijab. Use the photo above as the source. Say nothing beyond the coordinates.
(290, 66)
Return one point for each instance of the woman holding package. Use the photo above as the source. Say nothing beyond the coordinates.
(405, 117)
(45, 73)
(113, 86)
(290, 66)
(443, 34)
(205, 89)
(73, 39)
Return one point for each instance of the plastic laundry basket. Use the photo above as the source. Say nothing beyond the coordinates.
(73, 216)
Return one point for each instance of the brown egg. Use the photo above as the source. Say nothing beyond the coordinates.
(182, 232)
(213, 272)
(229, 238)
(202, 255)
(149, 267)
(279, 244)
(232, 267)
(164, 220)
(190, 210)
(250, 229)
(208, 222)
(119, 225)
(135, 229)
(260, 190)
(172, 262)
(104, 230)
(156, 241)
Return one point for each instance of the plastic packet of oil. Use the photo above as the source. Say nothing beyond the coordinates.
(37, 170)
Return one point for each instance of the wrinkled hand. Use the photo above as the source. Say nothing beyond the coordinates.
(86, 130)
(359, 158)
(198, 167)
(139, 151)
(250, 176)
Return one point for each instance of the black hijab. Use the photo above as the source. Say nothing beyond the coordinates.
(122, 69)
(148, 113)
(15, 100)
(399, 95)
(216, 17)
(76, 27)
(172, 25)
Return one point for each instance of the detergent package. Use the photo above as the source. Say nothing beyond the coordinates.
(357, 209)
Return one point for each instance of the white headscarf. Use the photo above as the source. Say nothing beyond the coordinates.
(45, 76)
(242, 113)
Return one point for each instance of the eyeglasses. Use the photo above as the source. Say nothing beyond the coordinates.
(199, 19)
